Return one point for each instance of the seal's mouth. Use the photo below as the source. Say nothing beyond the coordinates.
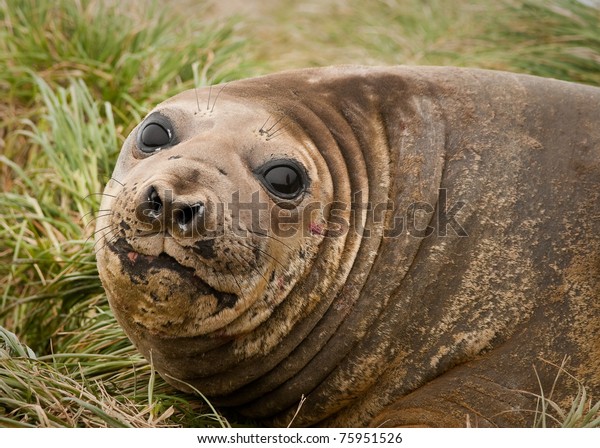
(139, 267)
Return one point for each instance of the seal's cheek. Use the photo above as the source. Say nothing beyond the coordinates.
(156, 296)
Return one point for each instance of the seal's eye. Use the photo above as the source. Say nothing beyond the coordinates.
(284, 179)
(155, 133)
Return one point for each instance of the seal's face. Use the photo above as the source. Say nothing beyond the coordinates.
(207, 228)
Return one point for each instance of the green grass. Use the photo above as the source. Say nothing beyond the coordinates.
(75, 77)
(559, 39)
(88, 389)
(556, 38)
(127, 54)
(583, 412)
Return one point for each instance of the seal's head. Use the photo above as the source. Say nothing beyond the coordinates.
(211, 225)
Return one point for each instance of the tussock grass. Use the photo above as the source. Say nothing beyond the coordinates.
(583, 412)
(82, 390)
(556, 38)
(378, 32)
(130, 55)
(69, 72)
(76, 76)
(51, 264)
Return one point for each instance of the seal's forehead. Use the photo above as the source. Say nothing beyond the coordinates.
(231, 123)
(208, 101)
(194, 112)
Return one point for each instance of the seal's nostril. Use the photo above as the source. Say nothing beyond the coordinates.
(188, 213)
(155, 204)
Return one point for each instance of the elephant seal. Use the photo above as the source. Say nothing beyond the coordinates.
(398, 245)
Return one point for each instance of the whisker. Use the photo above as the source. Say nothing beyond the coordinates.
(197, 99)
(120, 183)
(107, 242)
(218, 94)
(236, 281)
(279, 131)
(99, 194)
(96, 231)
(275, 124)
(98, 217)
(209, 93)
(253, 267)
(112, 232)
(262, 128)
(94, 211)
(264, 253)
(272, 237)
(269, 132)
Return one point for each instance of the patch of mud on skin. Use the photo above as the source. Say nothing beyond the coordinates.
(140, 267)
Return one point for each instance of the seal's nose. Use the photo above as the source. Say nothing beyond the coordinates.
(158, 210)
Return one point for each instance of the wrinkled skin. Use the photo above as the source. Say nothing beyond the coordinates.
(465, 312)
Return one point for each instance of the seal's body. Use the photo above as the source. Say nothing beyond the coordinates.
(401, 246)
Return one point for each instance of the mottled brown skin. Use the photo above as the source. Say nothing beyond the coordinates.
(405, 330)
